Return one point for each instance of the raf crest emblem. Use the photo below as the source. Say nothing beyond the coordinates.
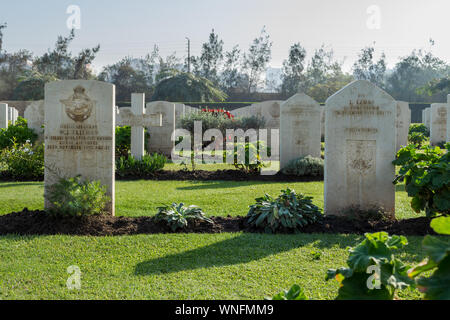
(79, 106)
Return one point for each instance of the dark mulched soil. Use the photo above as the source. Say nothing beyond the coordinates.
(223, 175)
(41, 223)
(198, 175)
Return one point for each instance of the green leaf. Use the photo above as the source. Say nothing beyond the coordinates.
(441, 225)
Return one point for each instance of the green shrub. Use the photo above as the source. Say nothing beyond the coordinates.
(22, 162)
(305, 166)
(426, 173)
(419, 128)
(373, 256)
(417, 138)
(289, 211)
(18, 133)
(437, 285)
(123, 141)
(250, 153)
(74, 197)
(295, 293)
(132, 167)
(177, 216)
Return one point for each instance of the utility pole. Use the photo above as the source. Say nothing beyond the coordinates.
(189, 54)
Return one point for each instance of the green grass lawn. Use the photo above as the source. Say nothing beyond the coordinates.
(216, 198)
(220, 266)
(192, 266)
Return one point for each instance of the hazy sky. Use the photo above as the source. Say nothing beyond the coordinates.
(132, 27)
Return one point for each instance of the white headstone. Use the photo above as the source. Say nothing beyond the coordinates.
(161, 137)
(438, 129)
(137, 132)
(299, 128)
(360, 147)
(80, 133)
(428, 118)
(322, 122)
(35, 115)
(402, 123)
(3, 116)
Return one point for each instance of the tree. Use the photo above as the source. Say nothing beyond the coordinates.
(365, 68)
(31, 86)
(335, 82)
(185, 87)
(256, 60)
(208, 64)
(232, 77)
(127, 78)
(293, 77)
(416, 71)
(2, 26)
(60, 63)
(321, 67)
(168, 68)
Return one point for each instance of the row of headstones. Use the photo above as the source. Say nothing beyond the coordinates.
(360, 135)
(437, 119)
(7, 115)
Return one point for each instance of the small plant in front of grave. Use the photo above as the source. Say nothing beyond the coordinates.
(75, 197)
(22, 162)
(437, 285)
(295, 293)
(132, 167)
(290, 211)
(305, 166)
(247, 156)
(373, 273)
(19, 133)
(426, 173)
(417, 138)
(177, 216)
(419, 128)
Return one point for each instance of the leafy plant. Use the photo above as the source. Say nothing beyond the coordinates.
(74, 197)
(426, 173)
(374, 255)
(22, 162)
(417, 138)
(177, 216)
(246, 156)
(18, 133)
(305, 166)
(419, 128)
(436, 286)
(289, 211)
(132, 167)
(295, 293)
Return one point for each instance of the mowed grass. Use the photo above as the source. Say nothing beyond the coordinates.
(193, 266)
(177, 266)
(216, 198)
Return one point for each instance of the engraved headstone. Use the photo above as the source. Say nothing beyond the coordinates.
(79, 133)
(402, 123)
(360, 147)
(438, 121)
(299, 128)
(3, 116)
(137, 132)
(161, 137)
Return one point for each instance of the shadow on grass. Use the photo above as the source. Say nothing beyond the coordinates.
(4, 184)
(243, 248)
